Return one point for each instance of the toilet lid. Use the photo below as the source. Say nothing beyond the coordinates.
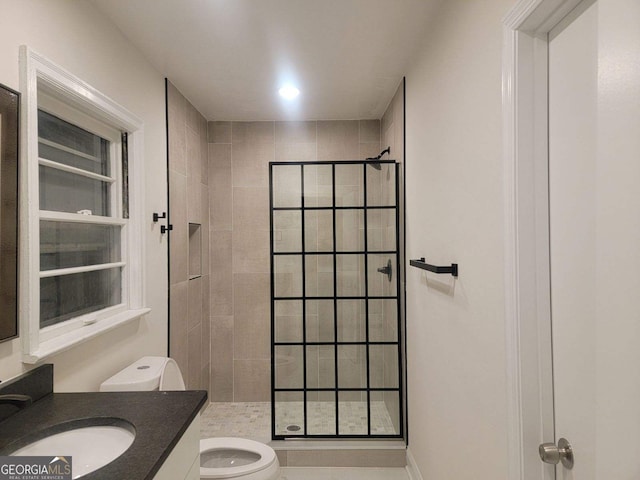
(250, 456)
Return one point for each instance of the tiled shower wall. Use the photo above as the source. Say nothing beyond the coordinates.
(239, 155)
(189, 253)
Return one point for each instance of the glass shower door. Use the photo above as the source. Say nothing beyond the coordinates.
(335, 306)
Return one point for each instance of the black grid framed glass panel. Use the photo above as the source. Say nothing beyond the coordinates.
(335, 312)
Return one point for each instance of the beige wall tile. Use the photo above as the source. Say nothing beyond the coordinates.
(204, 229)
(250, 164)
(194, 309)
(205, 378)
(178, 324)
(206, 300)
(177, 144)
(387, 119)
(204, 160)
(221, 359)
(282, 457)
(221, 287)
(193, 118)
(296, 132)
(288, 321)
(296, 152)
(287, 185)
(250, 250)
(389, 141)
(289, 371)
(193, 155)
(252, 132)
(287, 231)
(206, 323)
(369, 150)
(179, 234)
(194, 200)
(252, 380)
(338, 140)
(288, 276)
(219, 132)
(251, 207)
(177, 103)
(220, 192)
(369, 131)
(251, 307)
(203, 128)
(194, 358)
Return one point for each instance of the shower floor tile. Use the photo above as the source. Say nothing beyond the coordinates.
(321, 418)
(238, 419)
(253, 419)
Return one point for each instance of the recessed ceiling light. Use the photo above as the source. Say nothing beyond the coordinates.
(289, 92)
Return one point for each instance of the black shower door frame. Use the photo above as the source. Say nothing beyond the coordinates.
(303, 298)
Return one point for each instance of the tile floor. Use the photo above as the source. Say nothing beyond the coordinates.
(335, 473)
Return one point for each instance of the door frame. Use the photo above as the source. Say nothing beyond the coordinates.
(530, 417)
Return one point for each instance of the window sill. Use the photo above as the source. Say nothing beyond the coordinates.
(81, 335)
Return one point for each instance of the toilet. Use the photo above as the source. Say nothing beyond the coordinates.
(220, 457)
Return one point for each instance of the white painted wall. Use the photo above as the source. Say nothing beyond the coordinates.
(455, 328)
(77, 37)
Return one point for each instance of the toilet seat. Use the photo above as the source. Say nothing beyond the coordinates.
(266, 453)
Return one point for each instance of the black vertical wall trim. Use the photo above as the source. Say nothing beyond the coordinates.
(405, 399)
(399, 272)
(303, 267)
(273, 313)
(336, 357)
(166, 120)
(366, 293)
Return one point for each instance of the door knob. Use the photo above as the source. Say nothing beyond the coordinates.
(550, 453)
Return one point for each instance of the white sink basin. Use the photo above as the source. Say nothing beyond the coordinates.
(91, 447)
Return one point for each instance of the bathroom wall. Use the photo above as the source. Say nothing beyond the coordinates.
(455, 328)
(239, 154)
(190, 327)
(77, 37)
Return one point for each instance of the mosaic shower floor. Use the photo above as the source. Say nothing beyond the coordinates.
(253, 419)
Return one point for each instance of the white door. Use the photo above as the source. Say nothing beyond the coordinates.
(594, 198)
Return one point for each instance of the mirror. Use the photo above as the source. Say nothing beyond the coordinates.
(9, 103)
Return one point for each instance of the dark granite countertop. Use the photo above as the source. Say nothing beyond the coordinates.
(159, 418)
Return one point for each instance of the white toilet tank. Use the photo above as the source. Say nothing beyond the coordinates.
(148, 373)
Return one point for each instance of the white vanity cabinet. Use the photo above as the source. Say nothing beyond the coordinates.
(184, 459)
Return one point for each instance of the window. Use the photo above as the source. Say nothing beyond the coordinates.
(82, 265)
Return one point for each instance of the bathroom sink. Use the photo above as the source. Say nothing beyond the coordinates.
(91, 443)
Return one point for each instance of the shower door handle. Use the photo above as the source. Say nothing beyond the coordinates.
(387, 270)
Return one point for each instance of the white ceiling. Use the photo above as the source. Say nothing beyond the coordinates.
(230, 57)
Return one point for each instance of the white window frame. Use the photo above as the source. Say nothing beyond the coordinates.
(69, 98)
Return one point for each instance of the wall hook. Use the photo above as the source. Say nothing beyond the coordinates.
(157, 216)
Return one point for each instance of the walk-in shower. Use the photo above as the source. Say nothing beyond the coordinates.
(335, 305)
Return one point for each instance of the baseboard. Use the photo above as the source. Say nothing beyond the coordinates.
(412, 467)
